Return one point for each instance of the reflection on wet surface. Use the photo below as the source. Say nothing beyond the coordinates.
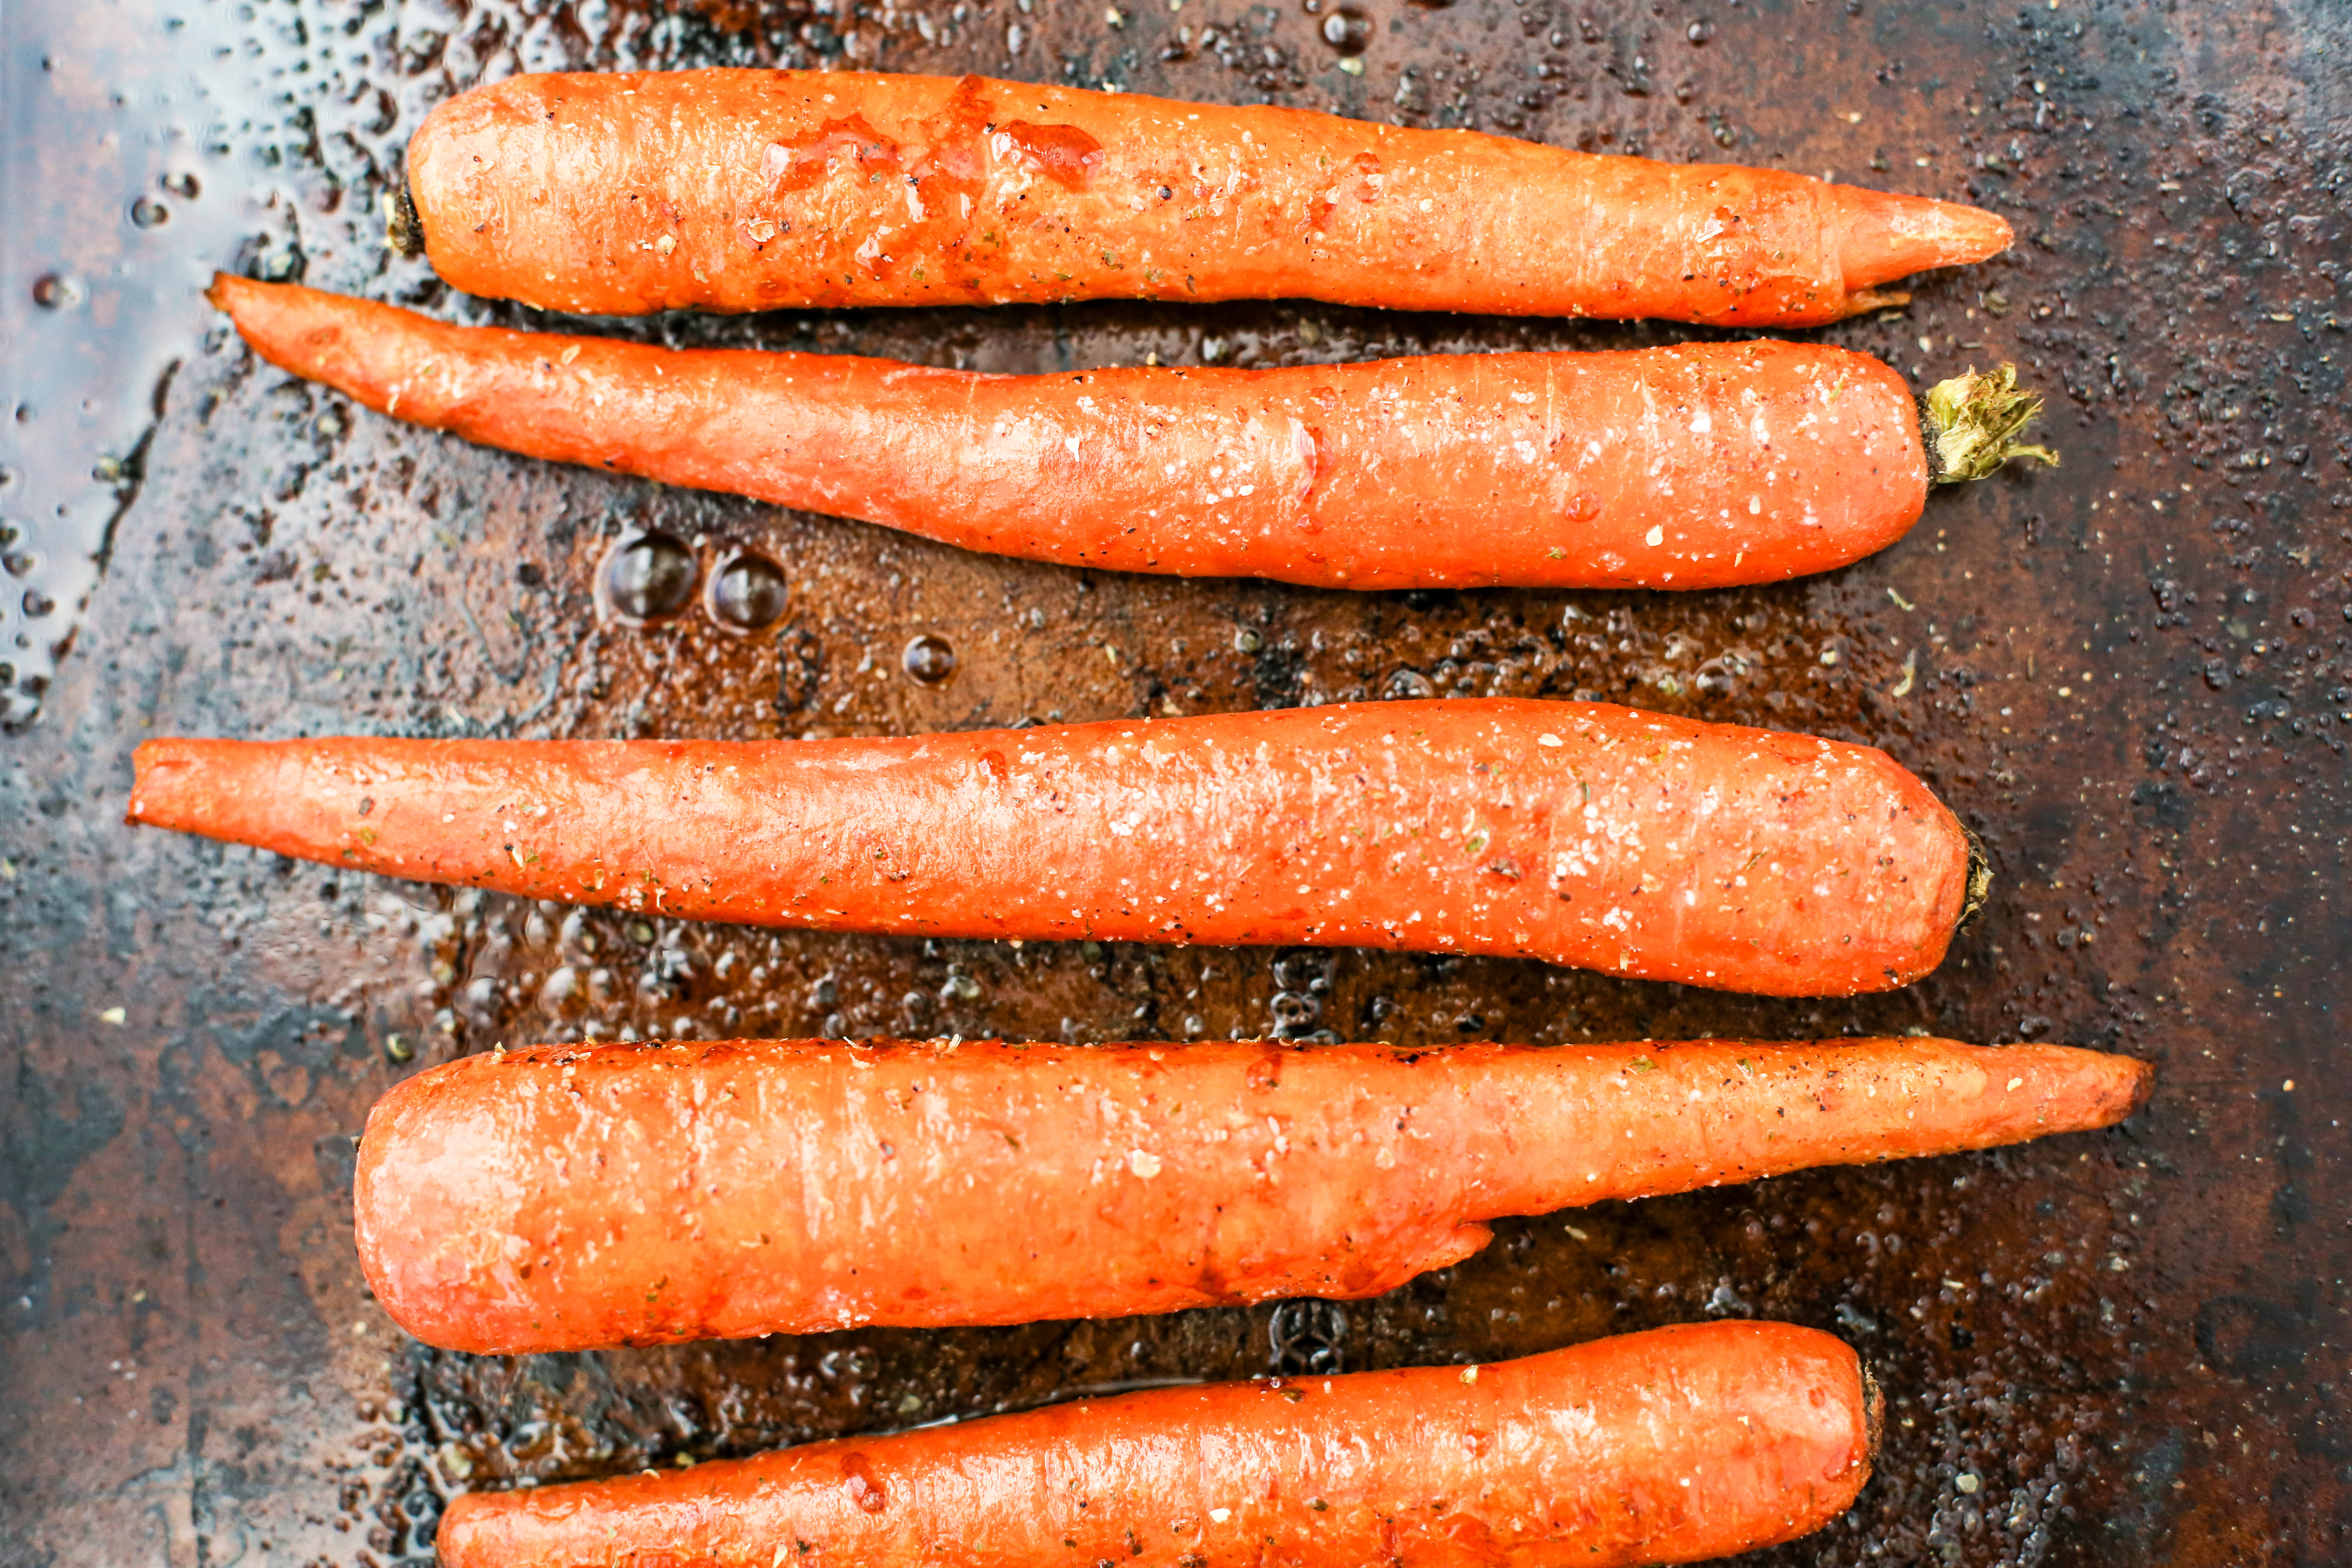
(928, 660)
(2129, 675)
(648, 578)
(748, 592)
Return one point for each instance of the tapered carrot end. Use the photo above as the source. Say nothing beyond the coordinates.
(1882, 236)
(155, 770)
(2072, 1089)
(252, 306)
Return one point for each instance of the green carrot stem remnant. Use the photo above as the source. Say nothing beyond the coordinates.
(1980, 878)
(1971, 425)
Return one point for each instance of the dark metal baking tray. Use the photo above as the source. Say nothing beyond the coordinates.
(2129, 675)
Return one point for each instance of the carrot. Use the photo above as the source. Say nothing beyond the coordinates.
(738, 190)
(1673, 1445)
(566, 1198)
(1695, 467)
(1582, 834)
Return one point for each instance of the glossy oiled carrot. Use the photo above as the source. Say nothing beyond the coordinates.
(1582, 834)
(564, 1198)
(1673, 1445)
(740, 190)
(1695, 467)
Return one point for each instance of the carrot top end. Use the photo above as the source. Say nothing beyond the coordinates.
(1980, 887)
(404, 232)
(1973, 423)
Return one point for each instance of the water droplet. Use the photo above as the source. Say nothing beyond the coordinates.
(149, 212)
(928, 660)
(562, 984)
(747, 592)
(56, 292)
(648, 577)
(182, 184)
(1347, 30)
(1700, 31)
(1409, 686)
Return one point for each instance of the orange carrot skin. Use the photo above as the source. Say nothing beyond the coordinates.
(620, 193)
(1580, 834)
(561, 1198)
(1701, 466)
(1674, 1445)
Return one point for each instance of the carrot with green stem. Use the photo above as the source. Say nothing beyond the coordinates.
(1673, 1445)
(564, 1198)
(1647, 845)
(618, 193)
(1695, 467)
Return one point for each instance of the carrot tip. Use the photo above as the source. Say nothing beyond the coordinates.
(1973, 421)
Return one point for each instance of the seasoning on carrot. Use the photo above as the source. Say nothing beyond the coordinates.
(1673, 1445)
(622, 193)
(565, 1198)
(1695, 467)
(1650, 847)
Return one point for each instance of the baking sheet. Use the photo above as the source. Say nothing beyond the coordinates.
(2128, 675)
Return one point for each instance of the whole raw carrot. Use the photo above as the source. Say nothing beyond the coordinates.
(1577, 833)
(1694, 466)
(1673, 1445)
(741, 190)
(565, 1198)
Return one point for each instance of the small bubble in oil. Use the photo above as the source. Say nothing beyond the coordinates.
(182, 184)
(1347, 30)
(928, 660)
(646, 577)
(747, 592)
(56, 292)
(149, 212)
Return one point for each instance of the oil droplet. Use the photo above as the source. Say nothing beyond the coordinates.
(1700, 31)
(1347, 30)
(928, 660)
(1409, 686)
(182, 184)
(56, 292)
(646, 577)
(747, 592)
(149, 212)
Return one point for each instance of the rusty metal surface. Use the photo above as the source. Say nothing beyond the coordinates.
(2129, 675)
